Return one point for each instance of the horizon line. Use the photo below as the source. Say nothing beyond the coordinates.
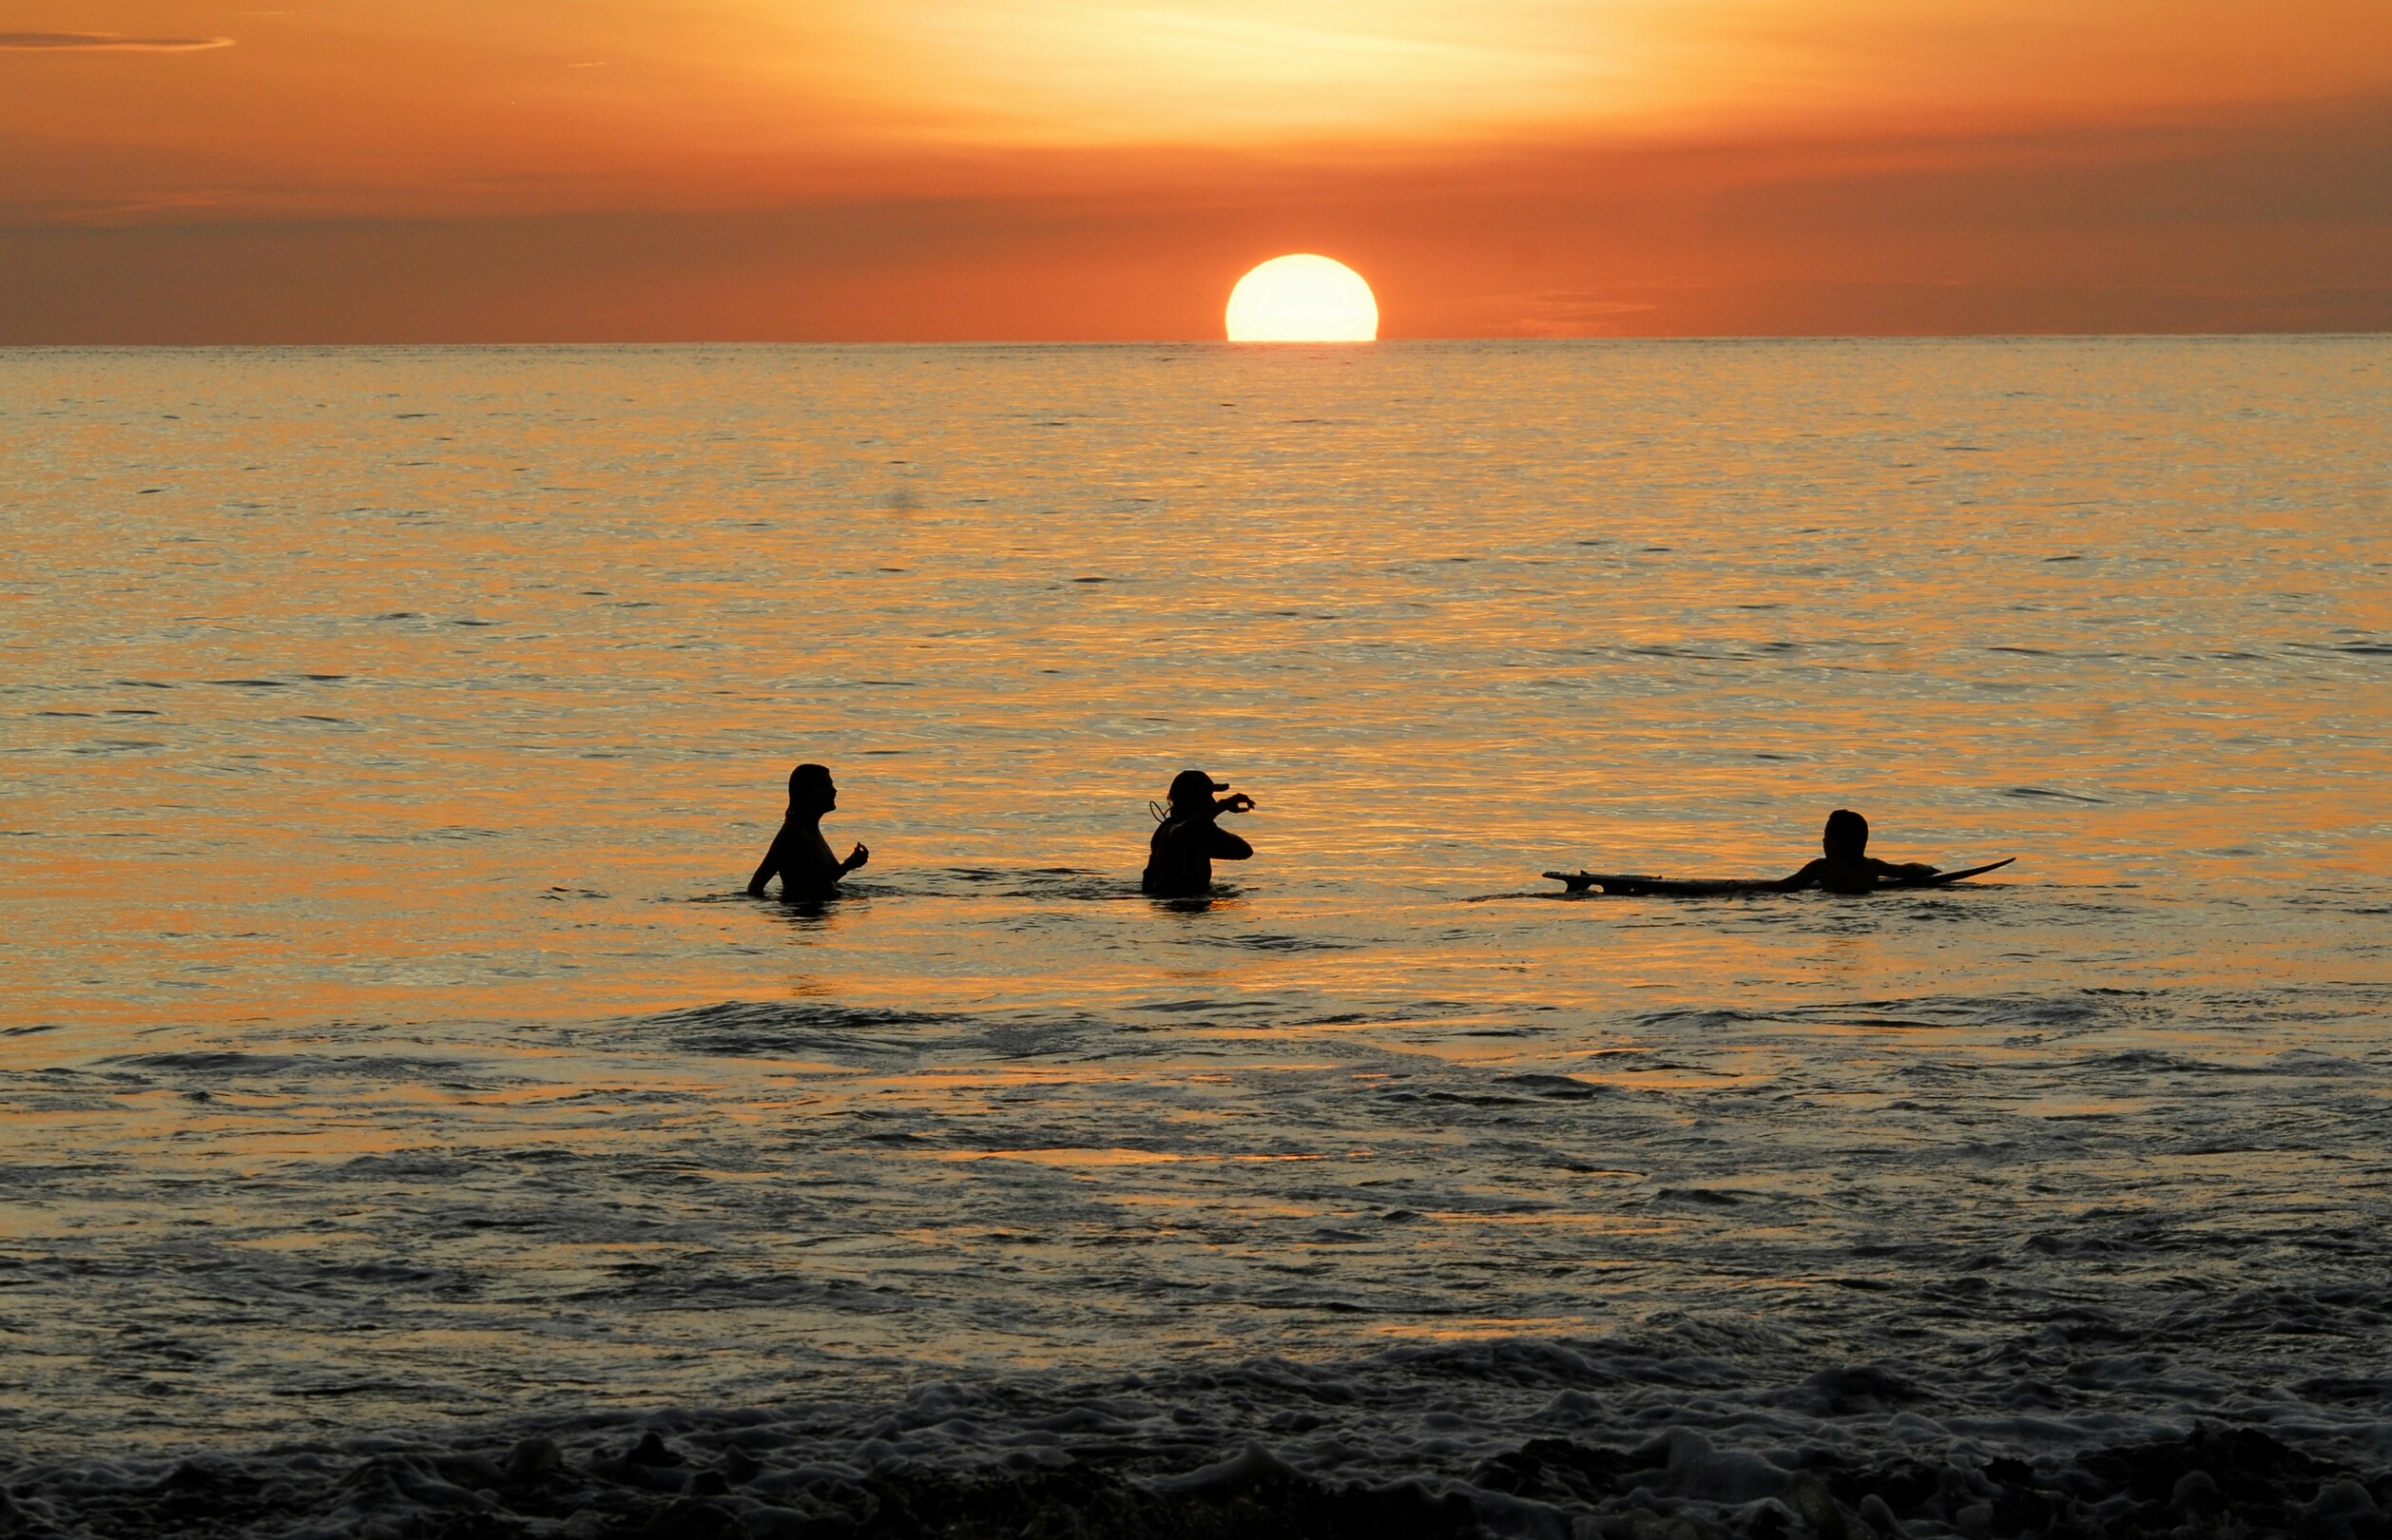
(1703, 337)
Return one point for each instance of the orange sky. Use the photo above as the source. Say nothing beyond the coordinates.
(604, 169)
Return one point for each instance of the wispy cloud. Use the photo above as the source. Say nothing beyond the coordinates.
(105, 42)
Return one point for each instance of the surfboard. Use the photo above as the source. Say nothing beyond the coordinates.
(1628, 885)
(1946, 879)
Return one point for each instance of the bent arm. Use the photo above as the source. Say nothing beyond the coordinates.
(1223, 846)
(1806, 878)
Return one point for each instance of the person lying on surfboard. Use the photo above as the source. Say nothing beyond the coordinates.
(1848, 866)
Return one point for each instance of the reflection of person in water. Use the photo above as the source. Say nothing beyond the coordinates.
(1189, 839)
(800, 856)
(1848, 867)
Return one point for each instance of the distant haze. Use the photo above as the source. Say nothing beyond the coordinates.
(928, 169)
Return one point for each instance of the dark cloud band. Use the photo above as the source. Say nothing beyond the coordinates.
(105, 42)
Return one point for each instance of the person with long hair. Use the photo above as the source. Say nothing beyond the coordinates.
(800, 856)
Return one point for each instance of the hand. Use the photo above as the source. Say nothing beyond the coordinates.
(1235, 803)
(1916, 871)
(856, 858)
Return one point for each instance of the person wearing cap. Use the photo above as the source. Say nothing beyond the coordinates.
(809, 873)
(1188, 837)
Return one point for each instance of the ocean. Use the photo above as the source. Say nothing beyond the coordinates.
(411, 1126)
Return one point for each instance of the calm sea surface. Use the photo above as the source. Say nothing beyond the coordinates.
(386, 737)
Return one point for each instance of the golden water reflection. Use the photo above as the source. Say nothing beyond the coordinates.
(386, 1031)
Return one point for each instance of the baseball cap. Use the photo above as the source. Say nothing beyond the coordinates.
(1190, 784)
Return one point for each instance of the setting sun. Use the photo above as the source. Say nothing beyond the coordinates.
(1303, 299)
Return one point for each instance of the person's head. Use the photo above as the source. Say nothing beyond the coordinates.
(1847, 834)
(811, 791)
(1194, 789)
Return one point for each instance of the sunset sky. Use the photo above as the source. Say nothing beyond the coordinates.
(603, 170)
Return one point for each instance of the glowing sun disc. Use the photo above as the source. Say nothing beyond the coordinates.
(1303, 299)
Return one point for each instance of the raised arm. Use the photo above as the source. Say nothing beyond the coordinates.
(1219, 843)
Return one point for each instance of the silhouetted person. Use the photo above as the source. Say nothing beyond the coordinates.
(1848, 867)
(1189, 839)
(800, 856)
